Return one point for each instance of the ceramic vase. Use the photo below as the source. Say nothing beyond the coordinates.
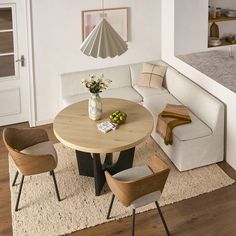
(95, 106)
(214, 30)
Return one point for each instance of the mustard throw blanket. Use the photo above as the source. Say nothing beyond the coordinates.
(172, 116)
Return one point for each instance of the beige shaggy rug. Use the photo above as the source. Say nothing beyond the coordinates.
(41, 214)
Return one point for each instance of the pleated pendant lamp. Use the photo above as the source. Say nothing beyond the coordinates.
(103, 42)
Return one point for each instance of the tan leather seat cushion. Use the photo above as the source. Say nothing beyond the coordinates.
(43, 148)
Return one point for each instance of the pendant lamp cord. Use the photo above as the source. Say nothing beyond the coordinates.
(103, 16)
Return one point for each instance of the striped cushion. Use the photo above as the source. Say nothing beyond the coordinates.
(152, 76)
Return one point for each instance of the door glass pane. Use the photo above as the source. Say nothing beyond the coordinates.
(6, 42)
(7, 66)
(7, 63)
(5, 19)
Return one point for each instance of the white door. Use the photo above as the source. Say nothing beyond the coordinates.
(14, 74)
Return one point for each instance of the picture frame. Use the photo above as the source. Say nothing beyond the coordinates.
(117, 17)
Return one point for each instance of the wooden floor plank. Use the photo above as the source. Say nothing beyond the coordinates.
(211, 214)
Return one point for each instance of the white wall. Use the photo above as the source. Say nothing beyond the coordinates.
(167, 30)
(190, 24)
(226, 96)
(57, 39)
(191, 19)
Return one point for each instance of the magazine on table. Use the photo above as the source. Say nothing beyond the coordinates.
(106, 126)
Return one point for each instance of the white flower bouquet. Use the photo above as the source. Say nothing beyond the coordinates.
(96, 84)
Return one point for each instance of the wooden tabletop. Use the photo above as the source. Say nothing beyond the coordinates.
(74, 129)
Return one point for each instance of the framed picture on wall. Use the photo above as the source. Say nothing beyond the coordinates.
(117, 17)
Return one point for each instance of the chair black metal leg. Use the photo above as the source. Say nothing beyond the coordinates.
(111, 203)
(133, 223)
(18, 197)
(162, 218)
(15, 178)
(55, 183)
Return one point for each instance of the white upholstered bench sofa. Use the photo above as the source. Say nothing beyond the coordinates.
(196, 144)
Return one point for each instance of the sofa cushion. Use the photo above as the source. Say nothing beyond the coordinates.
(151, 76)
(196, 129)
(136, 69)
(124, 93)
(202, 104)
(147, 92)
(71, 82)
(127, 93)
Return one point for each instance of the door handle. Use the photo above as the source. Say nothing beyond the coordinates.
(21, 60)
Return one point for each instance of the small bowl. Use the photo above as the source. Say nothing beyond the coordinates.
(213, 41)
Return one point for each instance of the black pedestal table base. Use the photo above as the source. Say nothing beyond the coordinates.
(91, 165)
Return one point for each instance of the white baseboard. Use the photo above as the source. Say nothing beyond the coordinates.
(44, 122)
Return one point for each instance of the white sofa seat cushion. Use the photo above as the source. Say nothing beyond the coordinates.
(193, 130)
(44, 148)
(124, 93)
(147, 92)
(127, 93)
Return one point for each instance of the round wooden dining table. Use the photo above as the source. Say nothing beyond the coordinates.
(74, 129)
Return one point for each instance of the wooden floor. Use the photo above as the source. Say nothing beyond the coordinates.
(211, 214)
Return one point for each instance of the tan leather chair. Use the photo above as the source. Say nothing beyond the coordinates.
(139, 186)
(32, 153)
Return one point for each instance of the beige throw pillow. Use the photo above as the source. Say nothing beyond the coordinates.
(152, 76)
